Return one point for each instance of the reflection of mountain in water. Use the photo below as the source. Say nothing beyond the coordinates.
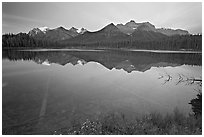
(127, 60)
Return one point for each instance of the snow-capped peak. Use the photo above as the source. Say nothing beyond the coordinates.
(44, 29)
(78, 30)
(81, 31)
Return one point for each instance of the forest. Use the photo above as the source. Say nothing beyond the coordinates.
(178, 42)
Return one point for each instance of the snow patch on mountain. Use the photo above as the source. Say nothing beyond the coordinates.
(44, 29)
(81, 30)
(78, 30)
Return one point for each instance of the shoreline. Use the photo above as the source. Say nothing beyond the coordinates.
(103, 49)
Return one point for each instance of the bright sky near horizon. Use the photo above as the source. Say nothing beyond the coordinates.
(22, 17)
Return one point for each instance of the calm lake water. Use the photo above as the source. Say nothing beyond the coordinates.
(44, 90)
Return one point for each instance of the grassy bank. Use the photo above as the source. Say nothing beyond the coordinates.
(152, 124)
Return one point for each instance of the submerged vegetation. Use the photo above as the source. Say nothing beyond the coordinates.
(114, 123)
(152, 124)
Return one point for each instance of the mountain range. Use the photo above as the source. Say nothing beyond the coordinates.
(144, 31)
(56, 34)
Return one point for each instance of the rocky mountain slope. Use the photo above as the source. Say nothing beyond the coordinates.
(107, 34)
(131, 30)
(131, 26)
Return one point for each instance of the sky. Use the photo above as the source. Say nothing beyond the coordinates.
(22, 17)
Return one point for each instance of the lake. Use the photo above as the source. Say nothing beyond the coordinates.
(45, 90)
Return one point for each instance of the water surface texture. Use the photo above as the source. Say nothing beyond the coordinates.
(46, 90)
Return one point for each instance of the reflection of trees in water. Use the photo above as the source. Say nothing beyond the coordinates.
(128, 60)
(181, 79)
(196, 104)
(17, 55)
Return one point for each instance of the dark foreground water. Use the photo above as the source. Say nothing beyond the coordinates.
(43, 91)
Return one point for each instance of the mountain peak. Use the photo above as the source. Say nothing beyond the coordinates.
(146, 26)
(132, 21)
(43, 29)
(61, 28)
(110, 27)
(73, 29)
(81, 31)
(111, 24)
(132, 24)
(148, 23)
